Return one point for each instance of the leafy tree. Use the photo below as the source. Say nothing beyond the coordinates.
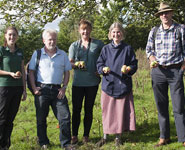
(43, 11)
(67, 34)
(30, 39)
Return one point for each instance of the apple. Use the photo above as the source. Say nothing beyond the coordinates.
(153, 63)
(106, 69)
(82, 64)
(128, 68)
(18, 74)
(77, 63)
(123, 69)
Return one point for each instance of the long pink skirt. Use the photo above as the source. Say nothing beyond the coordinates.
(118, 115)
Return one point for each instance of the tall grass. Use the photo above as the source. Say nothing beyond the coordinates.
(147, 131)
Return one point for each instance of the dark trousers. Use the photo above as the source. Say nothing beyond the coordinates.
(10, 98)
(78, 93)
(162, 79)
(61, 111)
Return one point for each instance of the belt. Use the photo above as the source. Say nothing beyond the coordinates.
(171, 66)
(48, 85)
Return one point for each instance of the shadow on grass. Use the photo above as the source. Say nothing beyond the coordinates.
(145, 133)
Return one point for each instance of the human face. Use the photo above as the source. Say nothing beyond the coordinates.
(116, 35)
(166, 17)
(85, 32)
(11, 37)
(50, 41)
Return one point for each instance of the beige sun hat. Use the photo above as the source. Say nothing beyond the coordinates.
(164, 7)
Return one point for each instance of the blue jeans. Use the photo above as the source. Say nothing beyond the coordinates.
(60, 109)
(162, 79)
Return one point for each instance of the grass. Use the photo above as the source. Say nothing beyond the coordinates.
(147, 130)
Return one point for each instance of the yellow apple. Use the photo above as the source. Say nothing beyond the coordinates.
(123, 69)
(128, 68)
(106, 69)
(77, 63)
(82, 64)
(153, 63)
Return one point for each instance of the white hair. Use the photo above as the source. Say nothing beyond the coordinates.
(48, 31)
(119, 26)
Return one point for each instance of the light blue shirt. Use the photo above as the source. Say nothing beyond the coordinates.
(50, 69)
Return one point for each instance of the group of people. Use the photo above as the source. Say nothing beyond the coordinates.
(90, 59)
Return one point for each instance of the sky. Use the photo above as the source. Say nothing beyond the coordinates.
(53, 25)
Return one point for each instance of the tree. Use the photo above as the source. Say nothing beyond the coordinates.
(42, 11)
(30, 39)
(67, 34)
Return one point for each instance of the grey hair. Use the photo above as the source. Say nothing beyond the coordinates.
(50, 31)
(119, 26)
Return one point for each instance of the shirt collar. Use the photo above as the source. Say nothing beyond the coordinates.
(8, 49)
(161, 29)
(44, 52)
(114, 45)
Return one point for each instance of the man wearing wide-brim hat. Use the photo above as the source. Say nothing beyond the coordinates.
(164, 7)
(165, 50)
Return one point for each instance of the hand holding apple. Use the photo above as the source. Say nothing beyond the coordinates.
(125, 69)
(77, 63)
(128, 69)
(82, 64)
(153, 64)
(106, 69)
(18, 74)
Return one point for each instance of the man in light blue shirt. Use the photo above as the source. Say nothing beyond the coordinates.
(53, 70)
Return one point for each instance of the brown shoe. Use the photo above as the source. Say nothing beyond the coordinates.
(101, 142)
(163, 142)
(74, 140)
(85, 139)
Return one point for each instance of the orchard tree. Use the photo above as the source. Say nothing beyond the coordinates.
(43, 11)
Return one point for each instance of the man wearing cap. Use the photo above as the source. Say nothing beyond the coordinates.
(165, 50)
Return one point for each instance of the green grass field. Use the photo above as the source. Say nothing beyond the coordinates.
(146, 135)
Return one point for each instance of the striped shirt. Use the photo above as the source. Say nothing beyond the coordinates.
(169, 45)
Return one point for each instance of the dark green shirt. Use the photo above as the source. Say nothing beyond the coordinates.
(10, 62)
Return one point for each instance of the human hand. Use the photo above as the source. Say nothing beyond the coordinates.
(183, 66)
(16, 75)
(154, 64)
(125, 69)
(61, 93)
(36, 91)
(106, 70)
(24, 96)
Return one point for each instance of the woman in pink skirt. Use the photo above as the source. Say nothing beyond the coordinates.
(117, 63)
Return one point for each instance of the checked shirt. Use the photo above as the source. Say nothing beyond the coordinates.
(169, 46)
